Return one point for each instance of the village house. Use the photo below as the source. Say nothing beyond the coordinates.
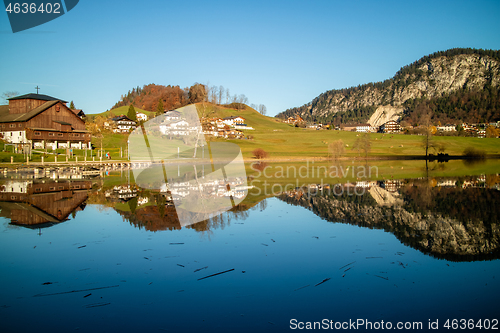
(123, 124)
(141, 116)
(349, 128)
(390, 127)
(294, 120)
(363, 128)
(176, 128)
(41, 121)
(172, 115)
(231, 121)
(79, 113)
(447, 128)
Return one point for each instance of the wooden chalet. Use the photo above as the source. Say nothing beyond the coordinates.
(41, 121)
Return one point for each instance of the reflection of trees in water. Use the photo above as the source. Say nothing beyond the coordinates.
(471, 204)
(160, 214)
(450, 223)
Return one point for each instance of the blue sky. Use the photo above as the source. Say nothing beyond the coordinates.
(278, 53)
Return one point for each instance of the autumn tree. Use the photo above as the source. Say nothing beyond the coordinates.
(197, 93)
(259, 153)
(96, 129)
(492, 132)
(131, 113)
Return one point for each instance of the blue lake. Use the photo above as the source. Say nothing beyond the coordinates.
(304, 257)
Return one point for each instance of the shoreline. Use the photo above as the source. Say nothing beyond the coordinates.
(126, 164)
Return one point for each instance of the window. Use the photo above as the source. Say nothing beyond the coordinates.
(38, 133)
(52, 188)
(12, 125)
(51, 134)
(38, 189)
(76, 135)
(59, 134)
(20, 125)
(58, 108)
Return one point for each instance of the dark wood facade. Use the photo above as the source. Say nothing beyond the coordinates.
(42, 122)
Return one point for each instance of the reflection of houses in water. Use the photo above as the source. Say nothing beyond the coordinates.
(366, 184)
(447, 183)
(213, 188)
(42, 204)
(121, 192)
(391, 185)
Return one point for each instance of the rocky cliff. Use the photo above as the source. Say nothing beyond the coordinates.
(432, 76)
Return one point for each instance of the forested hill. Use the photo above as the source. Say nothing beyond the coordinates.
(148, 97)
(451, 86)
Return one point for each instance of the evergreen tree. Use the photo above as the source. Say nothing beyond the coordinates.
(159, 108)
(131, 113)
(72, 105)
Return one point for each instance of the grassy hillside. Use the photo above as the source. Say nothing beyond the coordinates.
(119, 111)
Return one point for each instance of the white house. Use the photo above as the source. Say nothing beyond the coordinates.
(172, 116)
(447, 128)
(180, 127)
(141, 116)
(231, 121)
(363, 128)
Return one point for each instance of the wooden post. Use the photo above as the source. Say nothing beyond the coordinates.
(27, 159)
(11, 159)
(55, 158)
(42, 159)
(76, 159)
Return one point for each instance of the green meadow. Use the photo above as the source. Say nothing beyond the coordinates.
(284, 141)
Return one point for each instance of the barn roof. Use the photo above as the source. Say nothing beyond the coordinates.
(6, 117)
(36, 96)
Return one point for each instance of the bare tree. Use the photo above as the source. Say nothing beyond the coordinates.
(221, 94)
(364, 144)
(262, 109)
(9, 94)
(428, 131)
(336, 149)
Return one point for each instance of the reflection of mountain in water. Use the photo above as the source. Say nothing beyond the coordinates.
(459, 224)
(37, 204)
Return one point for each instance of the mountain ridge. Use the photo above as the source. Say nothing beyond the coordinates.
(433, 76)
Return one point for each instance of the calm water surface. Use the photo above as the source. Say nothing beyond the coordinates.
(80, 259)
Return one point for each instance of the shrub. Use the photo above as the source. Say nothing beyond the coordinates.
(471, 152)
(260, 153)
